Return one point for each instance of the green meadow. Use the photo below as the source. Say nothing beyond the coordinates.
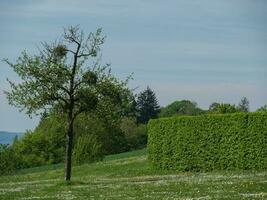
(130, 176)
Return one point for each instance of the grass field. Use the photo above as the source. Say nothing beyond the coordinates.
(129, 176)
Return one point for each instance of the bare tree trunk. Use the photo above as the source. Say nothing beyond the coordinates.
(71, 117)
(69, 148)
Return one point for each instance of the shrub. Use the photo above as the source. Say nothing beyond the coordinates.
(44, 145)
(87, 150)
(134, 134)
(209, 142)
(8, 159)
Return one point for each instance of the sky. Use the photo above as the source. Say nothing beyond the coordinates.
(206, 51)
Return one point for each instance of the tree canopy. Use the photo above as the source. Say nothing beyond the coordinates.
(147, 106)
(183, 107)
(222, 108)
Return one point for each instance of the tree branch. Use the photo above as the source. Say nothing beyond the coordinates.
(85, 55)
(71, 51)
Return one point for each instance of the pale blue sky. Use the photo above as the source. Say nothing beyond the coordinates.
(206, 51)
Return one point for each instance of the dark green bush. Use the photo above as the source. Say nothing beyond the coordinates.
(8, 159)
(45, 145)
(209, 142)
(134, 134)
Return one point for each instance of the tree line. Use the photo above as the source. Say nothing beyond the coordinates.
(108, 130)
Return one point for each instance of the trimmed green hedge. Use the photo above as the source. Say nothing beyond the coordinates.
(209, 142)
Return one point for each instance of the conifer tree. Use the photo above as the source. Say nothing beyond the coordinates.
(243, 105)
(147, 106)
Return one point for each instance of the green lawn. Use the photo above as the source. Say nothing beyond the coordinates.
(129, 176)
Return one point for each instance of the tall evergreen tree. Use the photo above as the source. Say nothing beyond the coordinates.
(243, 105)
(147, 106)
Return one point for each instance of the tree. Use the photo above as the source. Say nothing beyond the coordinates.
(243, 105)
(184, 107)
(61, 77)
(262, 109)
(222, 108)
(214, 106)
(147, 106)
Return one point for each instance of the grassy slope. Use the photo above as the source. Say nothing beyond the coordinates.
(129, 176)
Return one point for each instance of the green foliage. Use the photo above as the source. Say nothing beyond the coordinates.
(147, 106)
(60, 73)
(135, 135)
(94, 138)
(87, 149)
(262, 109)
(209, 142)
(106, 130)
(8, 159)
(222, 108)
(65, 77)
(59, 52)
(184, 107)
(45, 145)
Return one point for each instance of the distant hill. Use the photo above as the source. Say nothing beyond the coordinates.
(7, 137)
